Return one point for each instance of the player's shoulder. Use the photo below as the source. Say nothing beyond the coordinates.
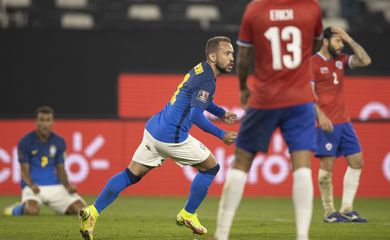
(314, 2)
(27, 138)
(316, 58)
(255, 5)
(57, 139)
(202, 73)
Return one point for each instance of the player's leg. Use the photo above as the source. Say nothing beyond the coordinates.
(327, 150)
(298, 128)
(302, 192)
(194, 153)
(352, 152)
(325, 185)
(118, 183)
(59, 199)
(75, 207)
(145, 158)
(29, 205)
(232, 192)
(254, 135)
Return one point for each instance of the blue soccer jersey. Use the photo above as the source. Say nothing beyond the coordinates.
(173, 122)
(42, 157)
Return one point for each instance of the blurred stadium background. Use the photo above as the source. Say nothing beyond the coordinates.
(105, 66)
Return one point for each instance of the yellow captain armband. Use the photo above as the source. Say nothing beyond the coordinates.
(198, 69)
(173, 98)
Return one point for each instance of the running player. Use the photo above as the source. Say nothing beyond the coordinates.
(335, 134)
(280, 33)
(166, 135)
(41, 155)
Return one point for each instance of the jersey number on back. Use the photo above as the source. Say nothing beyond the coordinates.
(293, 36)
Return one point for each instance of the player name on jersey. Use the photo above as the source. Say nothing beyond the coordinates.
(281, 14)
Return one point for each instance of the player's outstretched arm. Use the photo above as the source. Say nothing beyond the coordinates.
(215, 110)
(198, 118)
(360, 57)
(227, 117)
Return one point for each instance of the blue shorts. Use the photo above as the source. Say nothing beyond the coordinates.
(341, 142)
(296, 123)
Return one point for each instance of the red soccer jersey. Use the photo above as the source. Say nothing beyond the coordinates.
(329, 85)
(282, 34)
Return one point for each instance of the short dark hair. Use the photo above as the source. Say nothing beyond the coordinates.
(328, 33)
(44, 109)
(213, 44)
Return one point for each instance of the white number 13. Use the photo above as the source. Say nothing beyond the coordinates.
(294, 37)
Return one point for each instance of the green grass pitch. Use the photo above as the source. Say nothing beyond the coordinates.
(153, 218)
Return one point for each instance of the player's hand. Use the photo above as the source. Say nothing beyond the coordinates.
(339, 32)
(35, 188)
(229, 137)
(229, 117)
(71, 189)
(244, 96)
(325, 123)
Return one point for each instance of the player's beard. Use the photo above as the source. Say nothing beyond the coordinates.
(332, 51)
(222, 70)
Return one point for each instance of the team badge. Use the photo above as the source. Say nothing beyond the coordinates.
(34, 152)
(324, 70)
(203, 96)
(339, 64)
(52, 151)
(328, 146)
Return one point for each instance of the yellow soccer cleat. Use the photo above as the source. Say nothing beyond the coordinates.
(88, 217)
(8, 210)
(191, 221)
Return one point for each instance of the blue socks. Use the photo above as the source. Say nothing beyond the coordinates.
(113, 187)
(199, 188)
(18, 210)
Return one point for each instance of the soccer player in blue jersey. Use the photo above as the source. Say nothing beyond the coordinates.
(41, 155)
(166, 135)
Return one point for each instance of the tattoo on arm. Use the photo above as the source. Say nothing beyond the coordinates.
(360, 57)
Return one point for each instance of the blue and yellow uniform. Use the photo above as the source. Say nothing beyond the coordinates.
(42, 157)
(193, 95)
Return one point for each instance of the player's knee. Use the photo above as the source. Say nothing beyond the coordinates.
(357, 164)
(31, 210)
(133, 178)
(212, 171)
(243, 160)
(324, 177)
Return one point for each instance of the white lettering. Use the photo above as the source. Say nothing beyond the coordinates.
(281, 14)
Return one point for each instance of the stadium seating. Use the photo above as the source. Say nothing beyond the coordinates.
(209, 15)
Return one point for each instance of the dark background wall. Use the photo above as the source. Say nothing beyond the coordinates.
(76, 72)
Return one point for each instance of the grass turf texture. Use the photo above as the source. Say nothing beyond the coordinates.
(154, 218)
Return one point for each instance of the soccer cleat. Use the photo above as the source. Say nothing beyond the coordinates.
(191, 221)
(88, 217)
(8, 210)
(354, 217)
(335, 217)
